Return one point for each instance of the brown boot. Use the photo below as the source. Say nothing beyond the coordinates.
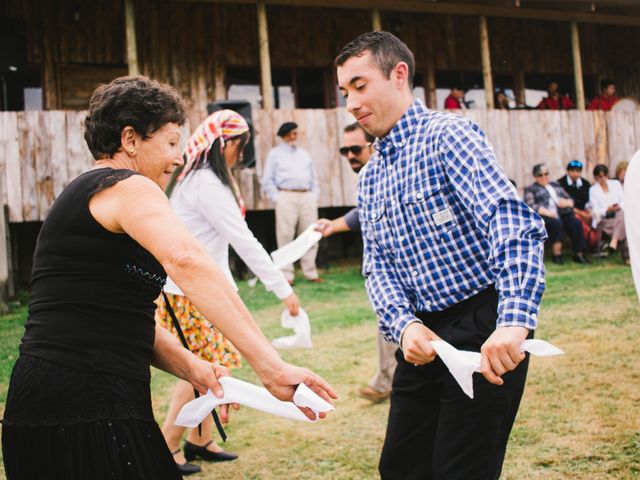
(373, 395)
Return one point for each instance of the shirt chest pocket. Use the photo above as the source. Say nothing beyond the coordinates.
(373, 220)
(427, 212)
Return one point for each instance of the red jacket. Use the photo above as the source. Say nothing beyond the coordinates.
(452, 103)
(603, 103)
(548, 103)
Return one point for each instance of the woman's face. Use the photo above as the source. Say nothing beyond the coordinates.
(232, 151)
(158, 155)
(601, 178)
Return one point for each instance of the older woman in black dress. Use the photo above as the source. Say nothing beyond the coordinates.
(78, 405)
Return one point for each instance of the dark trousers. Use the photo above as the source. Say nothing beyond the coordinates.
(435, 431)
(571, 225)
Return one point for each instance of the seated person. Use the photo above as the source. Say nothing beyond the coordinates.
(555, 207)
(606, 197)
(455, 100)
(607, 97)
(578, 189)
(621, 171)
(555, 100)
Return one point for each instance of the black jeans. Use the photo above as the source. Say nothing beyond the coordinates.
(566, 222)
(435, 431)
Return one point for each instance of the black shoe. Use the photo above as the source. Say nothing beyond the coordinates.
(580, 258)
(186, 468)
(557, 259)
(192, 451)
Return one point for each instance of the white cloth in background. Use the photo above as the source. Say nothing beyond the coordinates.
(302, 328)
(210, 212)
(632, 215)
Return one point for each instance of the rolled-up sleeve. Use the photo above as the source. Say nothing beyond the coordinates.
(514, 232)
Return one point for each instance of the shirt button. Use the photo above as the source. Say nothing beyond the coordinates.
(419, 195)
(534, 316)
(389, 167)
(373, 215)
(427, 303)
(393, 201)
(414, 273)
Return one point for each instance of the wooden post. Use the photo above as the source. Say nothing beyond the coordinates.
(5, 254)
(519, 87)
(375, 19)
(577, 65)
(220, 88)
(132, 50)
(265, 60)
(486, 61)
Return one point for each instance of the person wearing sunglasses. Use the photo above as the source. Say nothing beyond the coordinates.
(555, 206)
(607, 200)
(357, 148)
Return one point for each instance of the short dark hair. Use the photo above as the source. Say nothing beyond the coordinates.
(599, 169)
(537, 169)
(386, 49)
(605, 82)
(352, 127)
(136, 101)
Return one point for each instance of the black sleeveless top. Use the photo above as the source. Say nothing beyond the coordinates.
(92, 291)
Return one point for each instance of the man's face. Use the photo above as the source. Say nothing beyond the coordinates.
(574, 173)
(352, 142)
(371, 97)
(553, 88)
(292, 137)
(610, 91)
(543, 177)
(457, 93)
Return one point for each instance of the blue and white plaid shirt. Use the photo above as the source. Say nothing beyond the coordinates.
(441, 222)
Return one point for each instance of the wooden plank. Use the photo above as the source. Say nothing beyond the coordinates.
(12, 177)
(58, 135)
(132, 49)
(27, 125)
(265, 59)
(577, 65)
(601, 138)
(622, 137)
(43, 166)
(79, 158)
(485, 54)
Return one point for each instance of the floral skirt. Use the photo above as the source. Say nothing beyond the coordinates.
(204, 339)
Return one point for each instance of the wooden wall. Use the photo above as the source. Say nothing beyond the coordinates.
(40, 152)
(186, 43)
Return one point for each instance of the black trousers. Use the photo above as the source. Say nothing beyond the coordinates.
(568, 223)
(435, 431)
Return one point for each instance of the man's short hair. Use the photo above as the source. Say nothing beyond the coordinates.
(538, 168)
(605, 82)
(352, 127)
(386, 49)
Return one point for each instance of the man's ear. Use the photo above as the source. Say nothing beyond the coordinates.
(400, 74)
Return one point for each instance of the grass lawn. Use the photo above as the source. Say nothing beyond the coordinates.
(580, 416)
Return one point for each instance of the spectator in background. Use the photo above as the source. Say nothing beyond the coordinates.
(607, 198)
(455, 100)
(621, 171)
(607, 97)
(290, 181)
(501, 101)
(578, 189)
(555, 100)
(555, 207)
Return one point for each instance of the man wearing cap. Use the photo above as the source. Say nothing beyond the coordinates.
(578, 189)
(358, 149)
(289, 180)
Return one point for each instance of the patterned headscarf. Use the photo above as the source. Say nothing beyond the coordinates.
(223, 124)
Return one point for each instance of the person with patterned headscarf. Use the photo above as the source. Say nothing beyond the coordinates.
(208, 202)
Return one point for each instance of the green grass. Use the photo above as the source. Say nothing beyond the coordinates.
(579, 417)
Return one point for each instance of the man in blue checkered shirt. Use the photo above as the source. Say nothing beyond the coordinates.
(450, 252)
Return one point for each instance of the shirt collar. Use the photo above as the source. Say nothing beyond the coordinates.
(399, 134)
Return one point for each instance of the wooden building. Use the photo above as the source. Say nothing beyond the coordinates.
(278, 54)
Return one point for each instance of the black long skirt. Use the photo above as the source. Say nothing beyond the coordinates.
(63, 423)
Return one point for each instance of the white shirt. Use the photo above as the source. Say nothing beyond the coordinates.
(553, 196)
(632, 215)
(210, 212)
(289, 167)
(601, 200)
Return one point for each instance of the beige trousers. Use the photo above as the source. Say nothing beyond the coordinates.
(295, 211)
(383, 378)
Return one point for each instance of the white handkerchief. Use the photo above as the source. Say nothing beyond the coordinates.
(295, 250)
(249, 395)
(302, 328)
(462, 364)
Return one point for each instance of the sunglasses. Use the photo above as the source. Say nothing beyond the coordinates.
(355, 149)
(544, 174)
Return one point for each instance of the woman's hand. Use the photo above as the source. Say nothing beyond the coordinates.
(283, 383)
(204, 376)
(292, 304)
